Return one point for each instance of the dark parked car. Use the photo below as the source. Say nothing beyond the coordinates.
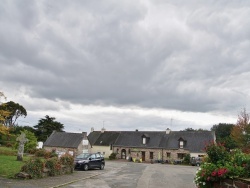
(87, 161)
(196, 161)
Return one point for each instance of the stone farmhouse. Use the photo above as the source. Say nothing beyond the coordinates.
(62, 142)
(150, 146)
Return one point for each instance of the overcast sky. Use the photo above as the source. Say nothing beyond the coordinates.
(125, 64)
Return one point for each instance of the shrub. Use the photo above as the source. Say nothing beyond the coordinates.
(34, 167)
(112, 156)
(67, 159)
(32, 151)
(216, 152)
(208, 174)
(186, 159)
(54, 166)
(221, 164)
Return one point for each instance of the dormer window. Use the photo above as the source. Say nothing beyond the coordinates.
(145, 139)
(182, 142)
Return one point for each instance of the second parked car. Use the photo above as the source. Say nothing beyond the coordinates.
(87, 161)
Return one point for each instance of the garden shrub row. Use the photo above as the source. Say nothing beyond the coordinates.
(221, 164)
(38, 167)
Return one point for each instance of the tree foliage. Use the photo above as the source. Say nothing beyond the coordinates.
(3, 114)
(241, 131)
(223, 132)
(15, 111)
(46, 126)
(18, 129)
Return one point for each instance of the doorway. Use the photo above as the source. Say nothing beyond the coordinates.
(143, 155)
(123, 154)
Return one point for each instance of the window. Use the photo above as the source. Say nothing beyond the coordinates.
(144, 140)
(93, 156)
(180, 155)
(98, 155)
(168, 154)
(181, 144)
(111, 146)
(151, 155)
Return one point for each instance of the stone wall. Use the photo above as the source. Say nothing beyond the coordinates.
(158, 154)
(236, 183)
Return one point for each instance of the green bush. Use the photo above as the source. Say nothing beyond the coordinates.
(34, 167)
(67, 159)
(186, 159)
(54, 166)
(221, 164)
(216, 152)
(112, 156)
(32, 151)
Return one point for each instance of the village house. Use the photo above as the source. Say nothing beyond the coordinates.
(102, 141)
(166, 146)
(62, 142)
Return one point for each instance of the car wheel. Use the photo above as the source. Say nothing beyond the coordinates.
(85, 167)
(102, 167)
(198, 164)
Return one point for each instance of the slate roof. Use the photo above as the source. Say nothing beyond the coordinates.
(134, 139)
(103, 139)
(194, 141)
(93, 136)
(64, 139)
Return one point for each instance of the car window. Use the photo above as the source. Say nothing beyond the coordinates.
(93, 156)
(98, 155)
(83, 156)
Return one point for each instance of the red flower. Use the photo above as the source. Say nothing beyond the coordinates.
(214, 173)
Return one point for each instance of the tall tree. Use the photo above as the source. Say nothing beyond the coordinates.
(241, 131)
(3, 115)
(223, 132)
(16, 110)
(46, 126)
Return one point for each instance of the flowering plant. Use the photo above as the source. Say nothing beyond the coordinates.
(221, 164)
(209, 173)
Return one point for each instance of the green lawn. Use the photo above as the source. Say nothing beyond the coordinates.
(9, 165)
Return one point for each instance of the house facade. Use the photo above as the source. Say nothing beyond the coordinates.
(167, 146)
(148, 146)
(64, 142)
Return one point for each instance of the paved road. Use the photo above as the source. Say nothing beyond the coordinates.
(137, 175)
(116, 175)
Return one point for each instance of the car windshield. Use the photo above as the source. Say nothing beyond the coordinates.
(83, 156)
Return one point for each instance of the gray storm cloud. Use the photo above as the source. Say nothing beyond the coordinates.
(186, 56)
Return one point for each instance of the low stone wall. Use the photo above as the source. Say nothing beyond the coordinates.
(236, 183)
